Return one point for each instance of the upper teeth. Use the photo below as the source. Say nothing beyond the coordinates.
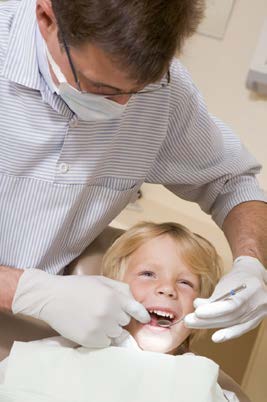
(162, 313)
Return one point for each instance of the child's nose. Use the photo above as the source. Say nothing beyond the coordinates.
(167, 290)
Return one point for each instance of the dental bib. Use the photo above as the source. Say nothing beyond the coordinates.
(44, 373)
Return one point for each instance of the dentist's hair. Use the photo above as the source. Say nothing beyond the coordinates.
(197, 252)
(140, 36)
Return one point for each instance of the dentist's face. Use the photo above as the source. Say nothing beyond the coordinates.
(164, 284)
(96, 71)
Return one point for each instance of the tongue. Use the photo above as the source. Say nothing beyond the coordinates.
(154, 319)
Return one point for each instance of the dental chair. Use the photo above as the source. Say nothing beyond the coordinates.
(22, 328)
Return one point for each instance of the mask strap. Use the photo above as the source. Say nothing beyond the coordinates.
(58, 73)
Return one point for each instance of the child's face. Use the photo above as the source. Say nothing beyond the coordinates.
(162, 282)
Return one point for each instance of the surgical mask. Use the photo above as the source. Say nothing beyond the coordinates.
(88, 107)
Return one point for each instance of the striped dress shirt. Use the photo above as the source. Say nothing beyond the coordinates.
(62, 180)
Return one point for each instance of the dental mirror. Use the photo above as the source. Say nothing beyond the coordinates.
(166, 323)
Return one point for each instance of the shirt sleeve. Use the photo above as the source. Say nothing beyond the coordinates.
(201, 159)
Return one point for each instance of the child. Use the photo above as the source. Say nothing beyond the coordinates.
(167, 267)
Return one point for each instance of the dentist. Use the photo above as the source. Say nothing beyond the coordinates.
(93, 104)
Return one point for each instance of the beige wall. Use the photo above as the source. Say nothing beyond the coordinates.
(158, 204)
(219, 68)
(255, 378)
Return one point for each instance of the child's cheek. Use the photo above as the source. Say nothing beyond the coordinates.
(139, 291)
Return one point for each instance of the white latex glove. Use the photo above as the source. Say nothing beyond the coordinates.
(88, 310)
(239, 313)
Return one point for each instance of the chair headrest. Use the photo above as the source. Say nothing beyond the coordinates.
(89, 262)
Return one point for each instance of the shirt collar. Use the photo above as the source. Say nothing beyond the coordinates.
(21, 64)
(42, 60)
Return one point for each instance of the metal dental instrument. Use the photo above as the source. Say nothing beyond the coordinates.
(166, 323)
(229, 294)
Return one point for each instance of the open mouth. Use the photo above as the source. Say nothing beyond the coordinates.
(157, 315)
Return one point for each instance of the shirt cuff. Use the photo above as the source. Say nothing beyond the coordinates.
(236, 191)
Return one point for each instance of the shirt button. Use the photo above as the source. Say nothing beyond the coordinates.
(64, 167)
(74, 122)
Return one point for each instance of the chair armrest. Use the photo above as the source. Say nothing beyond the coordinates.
(226, 382)
(21, 328)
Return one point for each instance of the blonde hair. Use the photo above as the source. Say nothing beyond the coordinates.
(197, 252)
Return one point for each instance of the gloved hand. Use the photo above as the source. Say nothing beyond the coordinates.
(88, 310)
(239, 313)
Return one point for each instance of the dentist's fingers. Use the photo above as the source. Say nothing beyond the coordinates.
(124, 319)
(220, 308)
(235, 331)
(101, 341)
(192, 321)
(200, 301)
(136, 310)
(128, 303)
(119, 286)
(124, 335)
(113, 330)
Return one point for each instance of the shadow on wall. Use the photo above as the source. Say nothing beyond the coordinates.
(232, 356)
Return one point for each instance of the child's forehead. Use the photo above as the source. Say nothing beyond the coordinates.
(159, 257)
(158, 244)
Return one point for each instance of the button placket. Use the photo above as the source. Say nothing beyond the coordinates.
(74, 122)
(64, 167)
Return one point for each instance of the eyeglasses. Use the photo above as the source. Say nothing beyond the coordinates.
(152, 87)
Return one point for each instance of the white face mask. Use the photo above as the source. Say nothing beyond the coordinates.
(88, 107)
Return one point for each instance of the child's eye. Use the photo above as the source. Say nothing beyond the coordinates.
(187, 283)
(149, 274)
